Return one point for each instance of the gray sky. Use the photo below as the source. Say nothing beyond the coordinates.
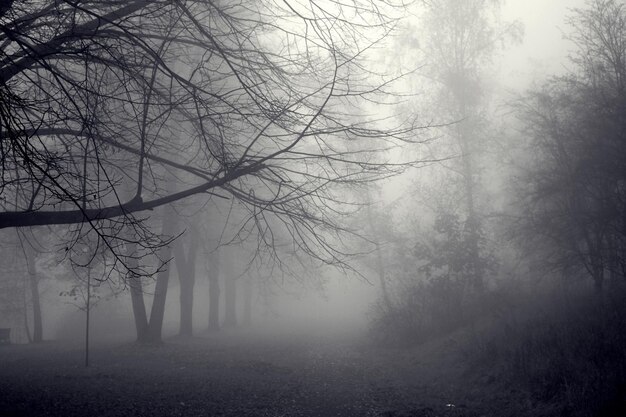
(543, 49)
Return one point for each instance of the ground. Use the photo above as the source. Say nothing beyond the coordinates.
(241, 374)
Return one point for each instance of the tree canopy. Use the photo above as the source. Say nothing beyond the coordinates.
(108, 109)
(574, 192)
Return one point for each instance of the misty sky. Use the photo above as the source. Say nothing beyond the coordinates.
(543, 49)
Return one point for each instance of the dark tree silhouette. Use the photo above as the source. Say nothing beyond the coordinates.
(574, 195)
(111, 109)
(460, 43)
(246, 99)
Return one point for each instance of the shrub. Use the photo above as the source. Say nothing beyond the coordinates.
(573, 359)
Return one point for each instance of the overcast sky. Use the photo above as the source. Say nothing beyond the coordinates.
(543, 50)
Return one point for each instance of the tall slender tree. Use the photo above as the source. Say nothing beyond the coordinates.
(186, 268)
(461, 39)
(213, 276)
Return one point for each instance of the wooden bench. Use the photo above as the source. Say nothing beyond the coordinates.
(5, 336)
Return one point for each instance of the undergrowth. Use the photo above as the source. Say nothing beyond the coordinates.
(571, 359)
(567, 353)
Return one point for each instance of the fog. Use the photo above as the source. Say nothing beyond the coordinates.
(313, 208)
(544, 49)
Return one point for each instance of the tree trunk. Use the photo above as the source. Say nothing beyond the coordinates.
(34, 294)
(598, 279)
(136, 295)
(476, 280)
(612, 257)
(187, 281)
(25, 302)
(380, 265)
(247, 302)
(214, 293)
(186, 267)
(157, 312)
(87, 318)
(134, 281)
(230, 301)
(595, 245)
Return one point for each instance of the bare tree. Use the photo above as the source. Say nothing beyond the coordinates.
(573, 198)
(246, 99)
(186, 268)
(33, 281)
(461, 40)
(213, 274)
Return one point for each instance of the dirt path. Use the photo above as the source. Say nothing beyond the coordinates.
(227, 375)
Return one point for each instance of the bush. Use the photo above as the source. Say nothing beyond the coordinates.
(571, 359)
(423, 311)
(564, 352)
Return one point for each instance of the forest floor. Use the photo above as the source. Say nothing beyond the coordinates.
(252, 374)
